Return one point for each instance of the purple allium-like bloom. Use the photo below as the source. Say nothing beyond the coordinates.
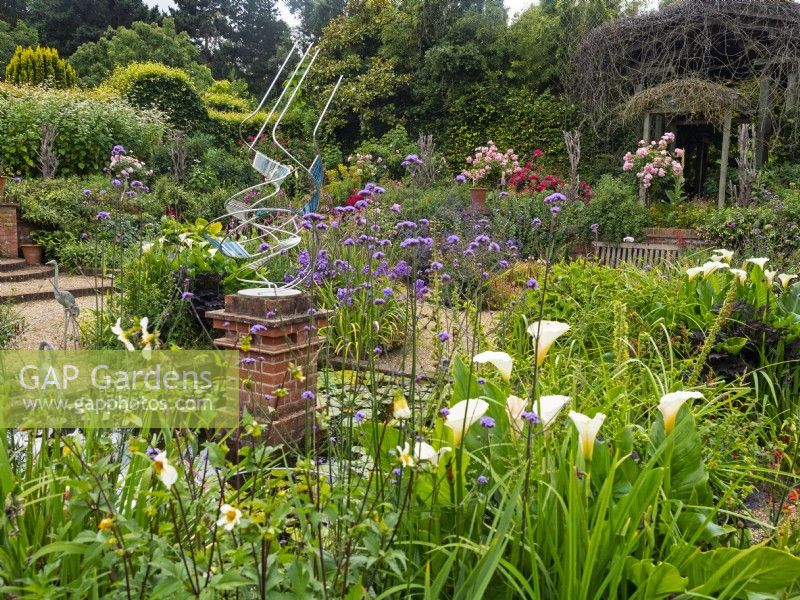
(555, 209)
(424, 222)
(406, 225)
(401, 270)
(84, 236)
(359, 417)
(397, 472)
(503, 194)
(446, 277)
(443, 412)
(103, 215)
(503, 264)
(187, 296)
(379, 301)
(378, 351)
(443, 336)
(408, 242)
(87, 192)
(361, 204)
(257, 329)
(483, 239)
(482, 479)
(461, 178)
(263, 246)
(395, 208)
(494, 247)
(453, 239)
(248, 360)
(117, 150)
(594, 227)
(17, 179)
(313, 216)
(116, 182)
(531, 416)
(137, 184)
(378, 255)
(387, 291)
(536, 222)
(557, 197)
(481, 380)
(532, 283)
(307, 395)
(487, 422)
(349, 242)
(271, 314)
(436, 266)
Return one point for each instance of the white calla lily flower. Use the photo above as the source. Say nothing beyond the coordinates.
(462, 415)
(548, 407)
(166, 472)
(404, 454)
(515, 406)
(230, 517)
(759, 262)
(147, 337)
(501, 360)
(587, 431)
(785, 279)
(424, 452)
(545, 333)
(741, 275)
(670, 405)
(722, 255)
(400, 407)
(770, 277)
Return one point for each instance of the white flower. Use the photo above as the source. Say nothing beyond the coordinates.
(785, 279)
(462, 415)
(549, 407)
(230, 517)
(515, 406)
(401, 408)
(587, 431)
(760, 262)
(117, 330)
(147, 337)
(545, 333)
(501, 360)
(670, 405)
(166, 472)
(404, 453)
(707, 269)
(722, 255)
(147, 246)
(741, 275)
(424, 452)
(628, 239)
(770, 277)
(694, 272)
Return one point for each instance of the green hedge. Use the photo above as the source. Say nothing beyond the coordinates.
(89, 125)
(170, 90)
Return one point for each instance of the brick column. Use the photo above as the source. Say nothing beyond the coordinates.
(282, 332)
(9, 243)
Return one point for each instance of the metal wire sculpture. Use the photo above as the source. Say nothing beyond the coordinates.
(259, 230)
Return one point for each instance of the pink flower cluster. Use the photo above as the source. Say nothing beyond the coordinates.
(655, 160)
(488, 163)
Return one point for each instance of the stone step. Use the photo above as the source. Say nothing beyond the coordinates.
(12, 264)
(26, 274)
(42, 289)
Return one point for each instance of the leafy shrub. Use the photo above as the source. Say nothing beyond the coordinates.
(225, 102)
(679, 214)
(392, 147)
(40, 66)
(88, 125)
(11, 325)
(170, 90)
(615, 207)
(141, 42)
(21, 34)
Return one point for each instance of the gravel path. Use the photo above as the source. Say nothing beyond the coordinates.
(44, 320)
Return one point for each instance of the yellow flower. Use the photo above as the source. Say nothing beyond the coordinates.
(400, 407)
(544, 334)
(230, 517)
(106, 524)
(404, 453)
(147, 337)
(670, 405)
(587, 431)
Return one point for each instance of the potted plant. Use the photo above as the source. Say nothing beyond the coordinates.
(32, 252)
(490, 168)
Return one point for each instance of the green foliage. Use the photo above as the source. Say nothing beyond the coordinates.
(21, 34)
(141, 42)
(88, 125)
(392, 147)
(40, 66)
(11, 325)
(170, 90)
(615, 207)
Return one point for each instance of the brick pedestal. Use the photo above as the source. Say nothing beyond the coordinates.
(9, 241)
(282, 333)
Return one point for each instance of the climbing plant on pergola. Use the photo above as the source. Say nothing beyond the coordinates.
(717, 60)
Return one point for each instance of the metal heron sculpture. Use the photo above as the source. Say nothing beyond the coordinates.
(71, 309)
(258, 230)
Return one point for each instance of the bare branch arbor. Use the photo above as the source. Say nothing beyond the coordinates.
(699, 67)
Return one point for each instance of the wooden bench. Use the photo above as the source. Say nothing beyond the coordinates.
(639, 255)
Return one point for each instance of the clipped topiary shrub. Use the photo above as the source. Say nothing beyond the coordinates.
(170, 90)
(89, 124)
(40, 66)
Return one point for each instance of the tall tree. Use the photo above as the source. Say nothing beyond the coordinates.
(12, 11)
(66, 24)
(11, 37)
(315, 14)
(208, 23)
(257, 38)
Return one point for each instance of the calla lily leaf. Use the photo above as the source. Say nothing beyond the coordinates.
(734, 345)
